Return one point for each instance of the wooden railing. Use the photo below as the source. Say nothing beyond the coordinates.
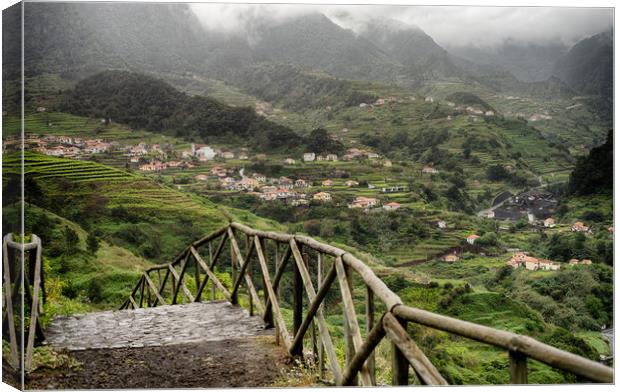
(291, 254)
(24, 288)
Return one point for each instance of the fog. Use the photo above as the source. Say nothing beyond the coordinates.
(448, 25)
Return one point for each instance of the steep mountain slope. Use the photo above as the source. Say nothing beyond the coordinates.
(588, 66)
(145, 102)
(77, 39)
(315, 41)
(529, 62)
(588, 69)
(421, 56)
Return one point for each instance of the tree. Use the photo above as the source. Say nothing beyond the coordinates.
(71, 241)
(497, 173)
(92, 243)
(320, 141)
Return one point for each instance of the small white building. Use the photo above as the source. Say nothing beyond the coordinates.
(309, 156)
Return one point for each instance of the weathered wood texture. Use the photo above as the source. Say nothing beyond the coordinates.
(22, 267)
(346, 269)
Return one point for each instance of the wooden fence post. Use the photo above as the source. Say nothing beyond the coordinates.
(319, 282)
(518, 367)
(370, 321)
(348, 335)
(297, 304)
(277, 266)
(400, 365)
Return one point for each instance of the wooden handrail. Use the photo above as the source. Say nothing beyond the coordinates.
(509, 341)
(359, 352)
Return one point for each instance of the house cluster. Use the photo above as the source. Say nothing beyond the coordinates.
(365, 203)
(577, 262)
(67, 146)
(521, 259)
(429, 170)
(204, 153)
(356, 153)
(311, 157)
(380, 102)
(579, 227)
(539, 117)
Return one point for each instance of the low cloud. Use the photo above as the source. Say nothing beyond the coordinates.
(448, 25)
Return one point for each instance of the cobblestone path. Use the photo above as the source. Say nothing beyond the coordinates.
(151, 327)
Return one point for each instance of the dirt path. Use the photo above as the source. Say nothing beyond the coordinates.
(248, 362)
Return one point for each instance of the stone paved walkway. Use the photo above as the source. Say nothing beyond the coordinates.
(151, 327)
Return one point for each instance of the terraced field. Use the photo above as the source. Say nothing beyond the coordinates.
(45, 167)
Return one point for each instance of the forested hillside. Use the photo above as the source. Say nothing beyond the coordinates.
(145, 102)
(594, 174)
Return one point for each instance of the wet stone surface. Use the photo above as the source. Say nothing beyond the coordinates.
(153, 327)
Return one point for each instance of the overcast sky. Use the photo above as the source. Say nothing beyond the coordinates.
(448, 25)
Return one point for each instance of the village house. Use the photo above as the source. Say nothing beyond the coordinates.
(586, 261)
(65, 140)
(268, 189)
(96, 148)
(393, 189)
(489, 113)
(134, 159)
(243, 156)
(579, 227)
(549, 222)
(322, 196)
(285, 183)
(203, 152)
(40, 109)
(300, 183)
(392, 206)
(429, 170)
(320, 158)
(71, 152)
(363, 105)
(441, 224)
(429, 99)
(328, 183)
(55, 152)
(364, 202)
(451, 258)
(331, 157)
(351, 183)
(139, 149)
(227, 155)
(471, 239)
(380, 102)
(269, 196)
(521, 259)
(387, 163)
(246, 184)
(573, 262)
(548, 265)
(201, 177)
(259, 177)
(153, 166)
(451, 104)
(261, 156)
(299, 202)
(285, 194)
(309, 156)
(289, 161)
(372, 155)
